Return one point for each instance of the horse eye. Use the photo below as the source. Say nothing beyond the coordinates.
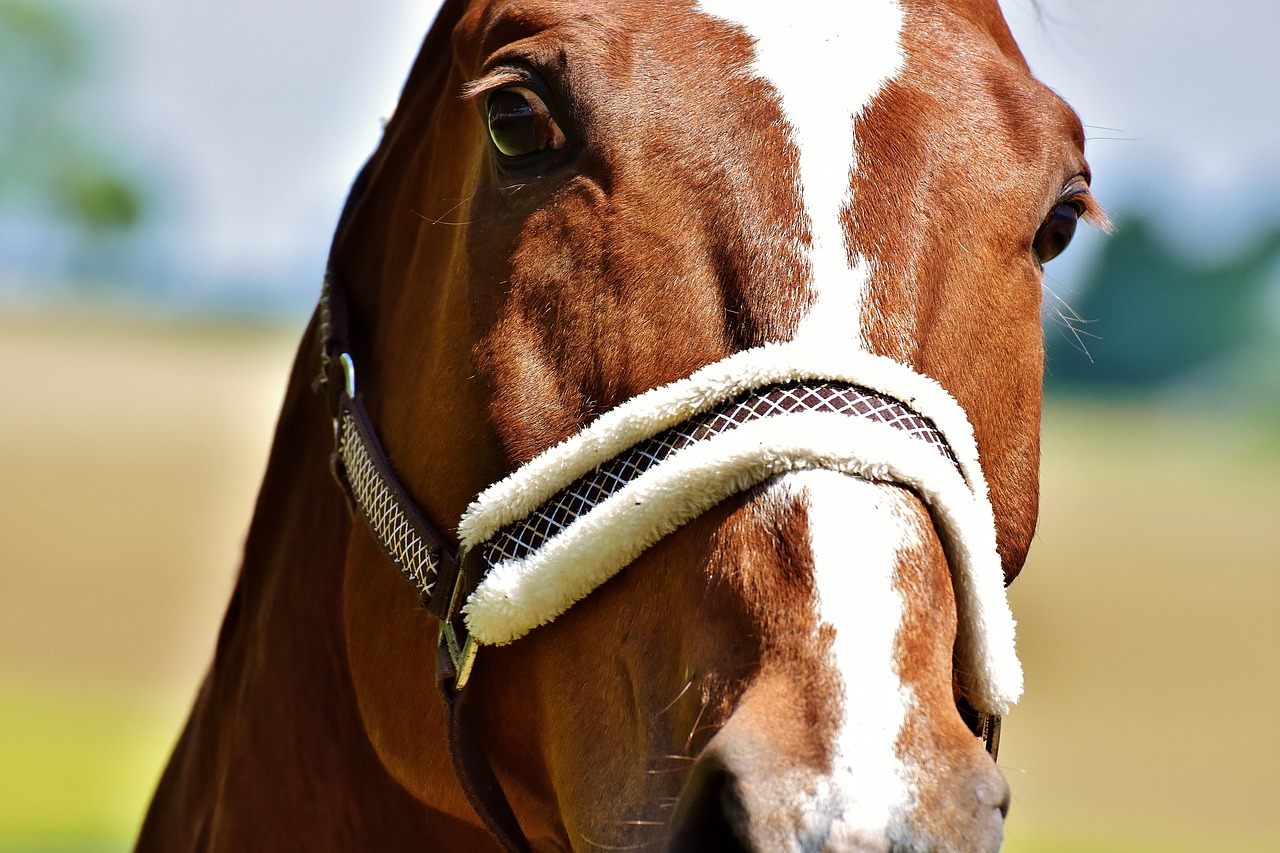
(520, 123)
(1055, 234)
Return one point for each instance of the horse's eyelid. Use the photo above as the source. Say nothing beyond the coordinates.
(1093, 212)
(493, 80)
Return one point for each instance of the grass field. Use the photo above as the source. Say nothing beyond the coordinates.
(1149, 613)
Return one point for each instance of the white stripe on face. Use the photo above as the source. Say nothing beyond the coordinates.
(857, 531)
(827, 61)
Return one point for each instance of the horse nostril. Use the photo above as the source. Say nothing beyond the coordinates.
(710, 816)
(995, 795)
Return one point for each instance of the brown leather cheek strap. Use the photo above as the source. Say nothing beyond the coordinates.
(418, 550)
(413, 544)
(426, 560)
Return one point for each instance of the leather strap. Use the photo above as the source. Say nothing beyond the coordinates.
(989, 731)
(472, 766)
(983, 725)
(417, 548)
(420, 551)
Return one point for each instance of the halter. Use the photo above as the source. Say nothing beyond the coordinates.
(531, 543)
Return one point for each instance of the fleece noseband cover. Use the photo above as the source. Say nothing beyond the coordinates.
(574, 516)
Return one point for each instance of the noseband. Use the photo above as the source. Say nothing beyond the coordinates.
(554, 530)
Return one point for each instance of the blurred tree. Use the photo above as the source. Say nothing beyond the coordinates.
(54, 163)
(1157, 316)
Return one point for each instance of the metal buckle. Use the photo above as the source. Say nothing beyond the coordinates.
(348, 385)
(348, 374)
(461, 645)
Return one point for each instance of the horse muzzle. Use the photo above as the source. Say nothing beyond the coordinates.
(736, 800)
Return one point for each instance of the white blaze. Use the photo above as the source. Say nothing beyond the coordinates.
(857, 530)
(826, 60)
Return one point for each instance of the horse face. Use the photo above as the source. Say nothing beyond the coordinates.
(631, 191)
(713, 191)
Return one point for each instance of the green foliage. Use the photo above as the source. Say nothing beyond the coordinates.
(100, 201)
(1159, 318)
(38, 40)
(52, 159)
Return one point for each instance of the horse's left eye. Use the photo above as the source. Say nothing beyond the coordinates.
(520, 123)
(1055, 234)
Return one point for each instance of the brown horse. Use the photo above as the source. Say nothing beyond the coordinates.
(596, 230)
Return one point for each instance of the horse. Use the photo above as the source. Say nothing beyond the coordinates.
(686, 358)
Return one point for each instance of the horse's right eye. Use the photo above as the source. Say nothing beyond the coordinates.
(520, 123)
(1055, 234)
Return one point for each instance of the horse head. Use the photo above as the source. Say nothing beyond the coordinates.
(583, 214)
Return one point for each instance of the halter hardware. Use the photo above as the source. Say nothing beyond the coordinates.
(455, 637)
(348, 374)
(421, 553)
(452, 634)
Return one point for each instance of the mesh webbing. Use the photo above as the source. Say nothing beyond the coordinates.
(522, 538)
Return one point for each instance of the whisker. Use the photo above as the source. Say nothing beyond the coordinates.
(1077, 335)
(1068, 320)
(1075, 315)
(688, 742)
(441, 219)
(601, 846)
(679, 696)
(1070, 323)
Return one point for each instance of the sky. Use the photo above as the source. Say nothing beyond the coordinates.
(255, 114)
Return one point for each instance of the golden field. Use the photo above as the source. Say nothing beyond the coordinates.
(1149, 613)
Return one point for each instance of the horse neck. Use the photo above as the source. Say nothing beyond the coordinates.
(275, 753)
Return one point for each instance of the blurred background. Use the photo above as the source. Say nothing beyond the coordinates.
(170, 173)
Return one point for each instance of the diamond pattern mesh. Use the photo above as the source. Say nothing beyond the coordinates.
(521, 538)
(382, 511)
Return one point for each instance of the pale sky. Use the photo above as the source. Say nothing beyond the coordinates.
(260, 113)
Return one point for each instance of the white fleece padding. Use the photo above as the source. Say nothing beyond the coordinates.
(518, 595)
